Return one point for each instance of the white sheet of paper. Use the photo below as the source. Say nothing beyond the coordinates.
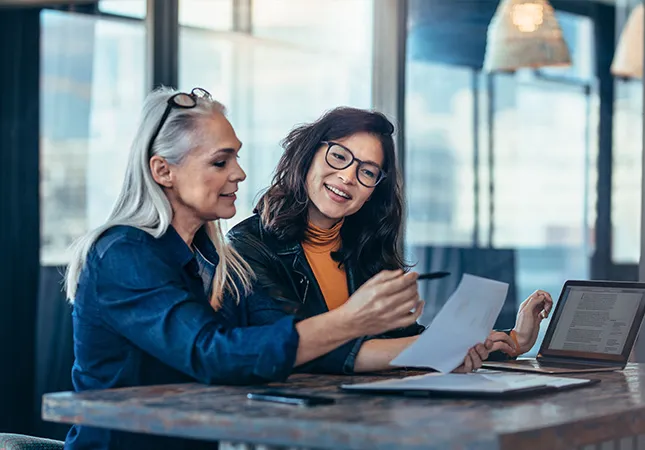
(465, 320)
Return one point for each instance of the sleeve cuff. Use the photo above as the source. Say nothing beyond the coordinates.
(350, 360)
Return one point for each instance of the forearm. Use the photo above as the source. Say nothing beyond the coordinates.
(321, 334)
(376, 354)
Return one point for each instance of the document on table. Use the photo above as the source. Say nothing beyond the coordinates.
(472, 382)
(466, 319)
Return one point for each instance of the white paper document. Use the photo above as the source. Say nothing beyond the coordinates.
(465, 320)
(472, 382)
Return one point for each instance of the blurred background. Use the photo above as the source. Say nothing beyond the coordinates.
(528, 175)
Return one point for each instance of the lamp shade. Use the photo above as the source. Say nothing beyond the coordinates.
(628, 59)
(524, 33)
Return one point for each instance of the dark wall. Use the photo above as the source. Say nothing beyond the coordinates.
(54, 347)
(19, 226)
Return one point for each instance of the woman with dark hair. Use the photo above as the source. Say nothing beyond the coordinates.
(329, 222)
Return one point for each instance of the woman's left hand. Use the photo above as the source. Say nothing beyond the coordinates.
(531, 313)
(475, 357)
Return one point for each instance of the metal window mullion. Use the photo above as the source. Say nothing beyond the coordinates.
(162, 24)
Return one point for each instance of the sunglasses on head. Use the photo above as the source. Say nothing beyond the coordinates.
(180, 100)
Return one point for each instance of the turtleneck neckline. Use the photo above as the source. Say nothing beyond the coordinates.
(321, 240)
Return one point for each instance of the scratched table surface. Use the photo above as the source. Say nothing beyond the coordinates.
(610, 410)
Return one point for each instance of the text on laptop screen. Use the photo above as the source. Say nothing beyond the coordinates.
(595, 319)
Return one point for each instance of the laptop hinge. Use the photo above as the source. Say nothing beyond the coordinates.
(581, 362)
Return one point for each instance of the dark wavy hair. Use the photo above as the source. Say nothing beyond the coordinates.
(370, 235)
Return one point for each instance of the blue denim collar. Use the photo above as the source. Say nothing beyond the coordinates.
(179, 250)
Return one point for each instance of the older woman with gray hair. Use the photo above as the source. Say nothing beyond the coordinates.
(159, 297)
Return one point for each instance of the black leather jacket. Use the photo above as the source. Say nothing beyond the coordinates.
(282, 270)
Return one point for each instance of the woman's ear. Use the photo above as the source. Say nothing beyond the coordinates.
(160, 170)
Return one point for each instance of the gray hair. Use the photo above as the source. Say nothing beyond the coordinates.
(143, 204)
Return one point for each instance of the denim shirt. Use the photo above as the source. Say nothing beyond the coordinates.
(141, 316)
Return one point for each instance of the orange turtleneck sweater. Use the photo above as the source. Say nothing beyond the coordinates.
(318, 245)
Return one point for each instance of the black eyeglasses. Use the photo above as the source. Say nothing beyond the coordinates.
(340, 157)
(179, 100)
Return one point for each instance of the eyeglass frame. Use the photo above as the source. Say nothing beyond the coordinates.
(330, 144)
(195, 93)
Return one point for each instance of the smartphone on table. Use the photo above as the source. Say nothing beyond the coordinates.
(290, 398)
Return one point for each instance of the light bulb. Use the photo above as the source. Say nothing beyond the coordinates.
(527, 17)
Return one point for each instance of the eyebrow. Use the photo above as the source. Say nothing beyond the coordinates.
(228, 151)
(368, 161)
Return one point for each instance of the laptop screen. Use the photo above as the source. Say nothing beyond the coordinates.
(597, 320)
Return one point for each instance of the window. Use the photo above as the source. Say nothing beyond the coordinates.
(627, 169)
(333, 27)
(500, 169)
(131, 8)
(287, 72)
(209, 14)
(439, 173)
(93, 83)
(544, 176)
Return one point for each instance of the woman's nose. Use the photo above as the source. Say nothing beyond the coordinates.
(348, 174)
(238, 173)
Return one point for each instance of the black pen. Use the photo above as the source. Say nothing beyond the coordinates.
(433, 275)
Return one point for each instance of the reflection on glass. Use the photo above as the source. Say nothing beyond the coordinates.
(92, 78)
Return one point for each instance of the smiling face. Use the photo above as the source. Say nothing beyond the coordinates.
(202, 186)
(335, 194)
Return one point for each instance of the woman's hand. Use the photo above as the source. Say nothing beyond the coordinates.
(502, 342)
(384, 303)
(475, 356)
(531, 313)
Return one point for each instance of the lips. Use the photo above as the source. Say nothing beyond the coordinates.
(338, 191)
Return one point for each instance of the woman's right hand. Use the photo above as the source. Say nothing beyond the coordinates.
(384, 303)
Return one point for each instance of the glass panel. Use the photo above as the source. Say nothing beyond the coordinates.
(542, 172)
(269, 86)
(439, 172)
(500, 169)
(331, 26)
(627, 170)
(129, 8)
(92, 78)
(209, 14)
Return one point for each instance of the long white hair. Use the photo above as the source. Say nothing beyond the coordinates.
(143, 204)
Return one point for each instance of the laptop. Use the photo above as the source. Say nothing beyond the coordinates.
(593, 329)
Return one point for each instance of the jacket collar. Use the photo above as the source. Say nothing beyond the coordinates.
(178, 249)
(282, 247)
(291, 247)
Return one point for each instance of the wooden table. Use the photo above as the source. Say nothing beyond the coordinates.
(609, 415)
